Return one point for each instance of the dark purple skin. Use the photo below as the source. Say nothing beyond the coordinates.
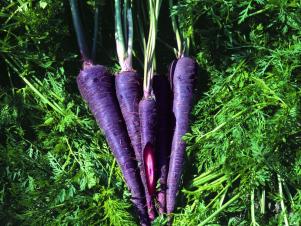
(183, 84)
(96, 86)
(163, 95)
(129, 92)
(148, 122)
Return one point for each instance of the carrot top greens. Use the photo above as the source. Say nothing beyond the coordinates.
(182, 39)
(79, 30)
(124, 33)
(149, 54)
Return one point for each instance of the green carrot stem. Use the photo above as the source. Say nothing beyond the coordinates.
(176, 30)
(120, 45)
(222, 199)
(253, 209)
(208, 172)
(124, 20)
(154, 8)
(223, 191)
(262, 202)
(282, 200)
(220, 209)
(147, 61)
(124, 34)
(200, 181)
(130, 35)
(210, 186)
(111, 172)
(95, 31)
(187, 46)
(83, 48)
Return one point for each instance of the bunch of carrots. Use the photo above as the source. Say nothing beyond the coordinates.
(143, 120)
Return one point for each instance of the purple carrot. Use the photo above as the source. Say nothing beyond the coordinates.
(96, 86)
(148, 120)
(129, 93)
(163, 95)
(183, 83)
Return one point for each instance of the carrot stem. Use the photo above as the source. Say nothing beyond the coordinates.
(80, 35)
(124, 20)
(220, 210)
(254, 223)
(95, 31)
(223, 191)
(111, 172)
(119, 33)
(154, 8)
(281, 200)
(262, 202)
(124, 34)
(176, 30)
(130, 35)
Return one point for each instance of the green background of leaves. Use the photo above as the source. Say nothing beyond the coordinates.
(243, 156)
